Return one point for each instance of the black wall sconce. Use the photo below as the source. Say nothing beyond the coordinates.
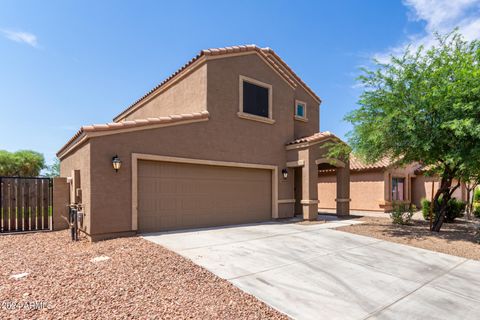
(116, 163)
(285, 173)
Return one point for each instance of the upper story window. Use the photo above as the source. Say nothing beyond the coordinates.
(255, 100)
(398, 188)
(300, 110)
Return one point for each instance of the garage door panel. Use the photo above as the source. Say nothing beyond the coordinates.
(177, 196)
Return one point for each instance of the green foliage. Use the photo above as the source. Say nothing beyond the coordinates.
(476, 209)
(54, 169)
(25, 163)
(423, 106)
(402, 213)
(476, 195)
(426, 209)
(455, 209)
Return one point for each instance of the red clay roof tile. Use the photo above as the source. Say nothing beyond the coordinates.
(135, 123)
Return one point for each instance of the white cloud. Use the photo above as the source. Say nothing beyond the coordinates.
(20, 36)
(439, 16)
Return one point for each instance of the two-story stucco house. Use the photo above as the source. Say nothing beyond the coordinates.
(231, 137)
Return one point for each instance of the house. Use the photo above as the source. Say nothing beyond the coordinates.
(231, 137)
(376, 186)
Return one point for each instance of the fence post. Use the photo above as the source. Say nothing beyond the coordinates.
(60, 202)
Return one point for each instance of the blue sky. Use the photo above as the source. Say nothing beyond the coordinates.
(64, 64)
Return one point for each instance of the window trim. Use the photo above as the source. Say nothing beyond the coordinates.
(296, 116)
(249, 116)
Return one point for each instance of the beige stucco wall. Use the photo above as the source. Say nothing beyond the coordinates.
(188, 95)
(366, 190)
(224, 137)
(80, 160)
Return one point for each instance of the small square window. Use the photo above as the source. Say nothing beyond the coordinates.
(300, 110)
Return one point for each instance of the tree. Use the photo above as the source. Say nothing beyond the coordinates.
(24, 163)
(471, 179)
(54, 169)
(424, 107)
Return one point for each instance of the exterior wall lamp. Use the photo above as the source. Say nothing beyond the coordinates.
(116, 163)
(285, 173)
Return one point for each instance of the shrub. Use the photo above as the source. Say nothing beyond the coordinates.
(476, 209)
(476, 195)
(455, 209)
(402, 213)
(426, 209)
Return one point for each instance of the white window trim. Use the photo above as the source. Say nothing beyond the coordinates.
(249, 116)
(304, 118)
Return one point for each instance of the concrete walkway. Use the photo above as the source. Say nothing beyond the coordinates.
(314, 272)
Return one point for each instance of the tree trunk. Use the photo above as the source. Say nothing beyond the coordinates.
(440, 207)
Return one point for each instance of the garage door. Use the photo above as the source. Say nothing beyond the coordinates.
(180, 196)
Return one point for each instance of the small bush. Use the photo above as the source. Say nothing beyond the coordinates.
(426, 209)
(476, 195)
(455, 209)
(476, 209)
(402, 213)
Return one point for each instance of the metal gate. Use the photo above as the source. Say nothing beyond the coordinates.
(26, 204)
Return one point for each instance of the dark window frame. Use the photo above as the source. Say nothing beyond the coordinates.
(267, 116)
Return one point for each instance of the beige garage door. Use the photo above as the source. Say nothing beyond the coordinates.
(179, 196)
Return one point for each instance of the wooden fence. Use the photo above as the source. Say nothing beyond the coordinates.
(26, 204)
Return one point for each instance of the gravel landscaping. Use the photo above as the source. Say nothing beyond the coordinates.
(457, 238)
(45, 276)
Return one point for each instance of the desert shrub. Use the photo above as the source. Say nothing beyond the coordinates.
(476, 209)
(476, 195)
(426, 209)
(455, 209)
(402, 213)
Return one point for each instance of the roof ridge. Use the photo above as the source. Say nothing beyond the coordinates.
(282, 67)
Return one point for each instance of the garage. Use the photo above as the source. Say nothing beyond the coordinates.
(185, 195)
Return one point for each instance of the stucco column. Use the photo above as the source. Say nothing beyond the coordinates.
(309, 186)
(343, 190)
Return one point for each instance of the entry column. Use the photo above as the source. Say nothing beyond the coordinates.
(309, 186)
(343, 190)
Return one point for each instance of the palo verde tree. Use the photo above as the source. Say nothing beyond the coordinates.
(424, 106)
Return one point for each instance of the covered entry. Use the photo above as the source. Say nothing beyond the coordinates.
(176, 195)
(306, 157)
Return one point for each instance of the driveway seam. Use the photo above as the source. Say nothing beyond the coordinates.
(413, 291)
(266, 237)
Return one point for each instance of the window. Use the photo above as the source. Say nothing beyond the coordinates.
(300, 110)
(398, 187)
(255, 100)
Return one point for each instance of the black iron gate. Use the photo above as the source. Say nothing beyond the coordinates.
(26, 204)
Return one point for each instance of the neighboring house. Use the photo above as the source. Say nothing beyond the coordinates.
(374, 187)
(231, 137)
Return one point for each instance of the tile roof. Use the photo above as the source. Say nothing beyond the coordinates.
(316, 137)
(135, 124)
(358, 165)
(268, 54)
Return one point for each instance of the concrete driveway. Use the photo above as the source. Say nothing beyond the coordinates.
(315, 272)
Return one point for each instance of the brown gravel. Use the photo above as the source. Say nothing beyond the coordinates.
(455, 238)
(140, 281)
